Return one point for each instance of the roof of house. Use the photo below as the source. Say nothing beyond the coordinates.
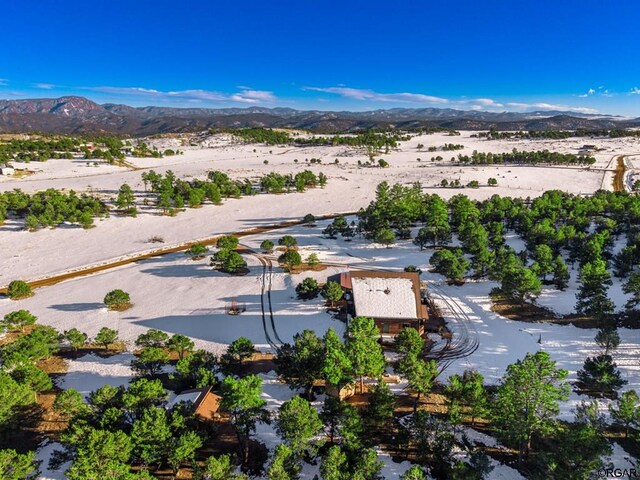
(393, 295)
(204, 402)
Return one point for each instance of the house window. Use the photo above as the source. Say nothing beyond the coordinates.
(385, 328)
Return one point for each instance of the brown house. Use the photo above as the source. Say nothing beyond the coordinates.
(205, 403)
(392, 299)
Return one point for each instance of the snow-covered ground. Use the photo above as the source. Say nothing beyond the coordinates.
(348, 189)
(90, 372)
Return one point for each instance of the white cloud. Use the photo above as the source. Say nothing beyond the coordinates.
(370, 95)
(418, 98)
(248, 95)
(243, 96)
(635, 91)
(549, 106)
(590, 92)
(44, 86)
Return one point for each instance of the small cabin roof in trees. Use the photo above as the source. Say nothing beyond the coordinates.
(389, 295)
(205, 403)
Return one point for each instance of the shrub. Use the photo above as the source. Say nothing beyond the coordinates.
(313, 260)
(288, 241)
(267, 246)
(290, 258)
(233, 262)
(19, 289)
(18, 320)
(308, 288)
(227, 242)
(308, 219)
(197, 251)
(117, 300)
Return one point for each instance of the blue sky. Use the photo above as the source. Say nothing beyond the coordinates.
(493, 55)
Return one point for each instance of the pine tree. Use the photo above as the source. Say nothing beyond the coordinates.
(600, 376)
(527, 400)
(626, 412)
(632, 288)
(241, 398)
(608, 338)
(592, 294)
(300, 364)
(363, 349)
(561, 275)
(297, 423)
(336, 368)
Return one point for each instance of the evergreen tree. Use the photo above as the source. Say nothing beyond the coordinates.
(544, 262)
(385, 236)
(414, 473)
(336, 367)
(332, 291)
(409, 342)
(300, 364)
(106, 336)
(126, 198)
(221, 468)
(237, 353)
(241, 398)
(608, 338)
(297, 423)
(180, 344)
(75, 338)
(152, 338)
(150, 434)
(526, 401)
(626, 411)
(592, 294)
(363, 349)
(632, 288)
(18, 466)
(18, 320)
(520, 284)
(283, 465)
(600, 376)
(267, 246)
(150, 361)
(183, 448)
(380, 407)
(308, 289)
(451, 264)
(421, 375)
(561, 274)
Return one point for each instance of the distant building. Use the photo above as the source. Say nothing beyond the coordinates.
(205, 403)
(392, 299)
(7, 171)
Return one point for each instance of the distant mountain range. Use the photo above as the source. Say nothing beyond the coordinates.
(73, 115)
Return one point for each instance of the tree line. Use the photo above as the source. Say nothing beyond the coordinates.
(494, 134)
(544, 157)
(51, 208)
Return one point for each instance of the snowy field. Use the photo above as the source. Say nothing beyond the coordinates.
(349, 188)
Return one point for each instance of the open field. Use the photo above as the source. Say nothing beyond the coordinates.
(117, 236)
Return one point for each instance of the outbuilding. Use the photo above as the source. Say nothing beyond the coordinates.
(205, 404)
